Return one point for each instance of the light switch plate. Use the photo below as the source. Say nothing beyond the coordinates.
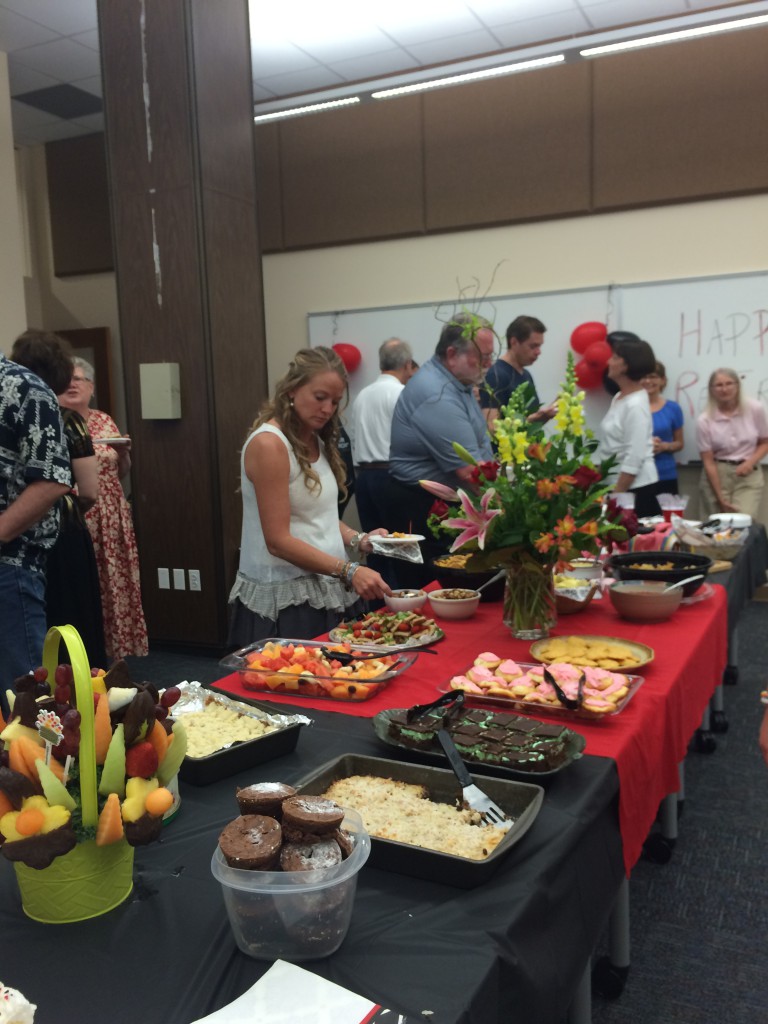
(179, 583)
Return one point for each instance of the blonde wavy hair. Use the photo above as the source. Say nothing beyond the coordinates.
(305, 365)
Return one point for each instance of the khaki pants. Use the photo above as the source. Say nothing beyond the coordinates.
(744, 492)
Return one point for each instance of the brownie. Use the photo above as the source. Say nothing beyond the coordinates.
(312, 815)
(264, 798)
(321, 855)
(252, 842)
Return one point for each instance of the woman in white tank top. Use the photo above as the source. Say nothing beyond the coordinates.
(298, 574)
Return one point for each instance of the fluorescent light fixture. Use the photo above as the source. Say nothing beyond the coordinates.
(470, 76)
(674, 37)
(312, 108)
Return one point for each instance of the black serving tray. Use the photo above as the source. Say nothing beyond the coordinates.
(520, 800)
(574, 746)
(202, 771)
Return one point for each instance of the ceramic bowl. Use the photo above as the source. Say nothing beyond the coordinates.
(454, 576)
(585, 569)
(454, 607)
(643, 601)
(405, 600)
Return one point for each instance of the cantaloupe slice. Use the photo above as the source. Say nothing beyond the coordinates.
(5, 804)
(31, 753)
(110, 826)
(102, 729)
(158, 737)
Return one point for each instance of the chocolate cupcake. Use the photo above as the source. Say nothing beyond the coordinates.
(310, 816)
(252, 842)
(264, 798)
(320, 855)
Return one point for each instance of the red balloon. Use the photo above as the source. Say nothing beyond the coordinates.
(597, 354)
(585, 334)
(348, 354)
(587, 376)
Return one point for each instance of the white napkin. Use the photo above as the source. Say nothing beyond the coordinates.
(288, 994)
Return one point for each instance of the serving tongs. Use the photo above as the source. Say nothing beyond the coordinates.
(455, 697)
(572, 703)
(345, 658)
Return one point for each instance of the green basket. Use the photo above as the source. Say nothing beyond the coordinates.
(89, 880)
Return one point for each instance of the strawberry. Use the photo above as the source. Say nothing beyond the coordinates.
(141, 760)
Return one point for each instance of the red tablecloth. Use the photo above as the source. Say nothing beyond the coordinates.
(647, 740)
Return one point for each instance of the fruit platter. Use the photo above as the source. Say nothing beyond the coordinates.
(396, 631)
(310, 668)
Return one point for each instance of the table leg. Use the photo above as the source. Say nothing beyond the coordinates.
(681, 791)
(609, 974)
(704, 741)
(718, 718)
(658, 847)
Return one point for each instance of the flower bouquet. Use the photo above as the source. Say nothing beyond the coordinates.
(84, 769)
(535, 507)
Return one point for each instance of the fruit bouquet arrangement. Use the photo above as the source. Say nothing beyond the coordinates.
(85, 762)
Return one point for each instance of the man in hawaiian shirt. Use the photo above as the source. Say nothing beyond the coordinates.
(34, 473)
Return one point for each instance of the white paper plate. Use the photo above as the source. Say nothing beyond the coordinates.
(410, 538)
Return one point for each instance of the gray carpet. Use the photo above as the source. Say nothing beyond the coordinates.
(699, 924)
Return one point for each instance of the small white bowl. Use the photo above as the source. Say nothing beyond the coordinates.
(405, 600)
(454, 607)
(585, 569)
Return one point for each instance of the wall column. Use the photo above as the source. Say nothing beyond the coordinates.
(179, 132)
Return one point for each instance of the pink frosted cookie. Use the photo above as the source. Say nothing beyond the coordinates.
(488, 660)
(479, 674)
(462, 683)
(509, 670)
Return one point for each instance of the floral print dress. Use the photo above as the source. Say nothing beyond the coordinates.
(117, 556)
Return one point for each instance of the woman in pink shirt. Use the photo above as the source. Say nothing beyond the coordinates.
(733, 439)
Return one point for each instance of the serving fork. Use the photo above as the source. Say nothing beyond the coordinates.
(474, 797)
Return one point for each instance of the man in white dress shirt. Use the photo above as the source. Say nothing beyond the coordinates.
(370, 426)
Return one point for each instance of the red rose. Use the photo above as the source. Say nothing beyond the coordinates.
(585, 476)
(488, 470)
(439, 509)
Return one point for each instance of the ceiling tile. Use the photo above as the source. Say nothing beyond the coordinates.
(534, 30)
(328, 49)
(374, 64)
(16, 32)
(24, 79)
(611, 13)
(56, 130)
(261, 95)
(29, 117)
(92, 123)
(62, 59)
(501, 12)
(301, 81)
(63, 16)
(454, 47)
(93, 85)
(423, 23)
(62, 100)
(90, 39)
(278, 58)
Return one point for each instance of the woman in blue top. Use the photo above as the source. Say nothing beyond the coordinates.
(667, 430)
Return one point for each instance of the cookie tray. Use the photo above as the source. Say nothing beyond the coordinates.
(520, 800)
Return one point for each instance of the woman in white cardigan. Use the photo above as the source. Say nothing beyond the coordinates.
(627, 427)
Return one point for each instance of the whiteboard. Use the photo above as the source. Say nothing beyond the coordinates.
(694, 325)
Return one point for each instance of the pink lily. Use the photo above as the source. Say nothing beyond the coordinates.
(475, 522)
(440, 490)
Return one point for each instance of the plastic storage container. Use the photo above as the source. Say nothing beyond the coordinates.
(293, 915)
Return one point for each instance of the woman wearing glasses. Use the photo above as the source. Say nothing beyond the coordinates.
(110, 523)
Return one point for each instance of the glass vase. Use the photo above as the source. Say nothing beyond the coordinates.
(529, 599)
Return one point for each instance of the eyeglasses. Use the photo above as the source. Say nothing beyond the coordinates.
(81, 380)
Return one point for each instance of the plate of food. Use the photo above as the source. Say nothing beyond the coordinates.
(310, 668)
(396, 631)
(410, 811)
(609, 652)
(486, 738)
(398, 538)
(555, 688)
(117, 441)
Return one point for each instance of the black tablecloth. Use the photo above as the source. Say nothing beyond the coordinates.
(744, 577)
(509, 951)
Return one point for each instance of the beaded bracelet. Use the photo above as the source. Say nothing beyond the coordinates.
(349, 571)
(764, 697)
